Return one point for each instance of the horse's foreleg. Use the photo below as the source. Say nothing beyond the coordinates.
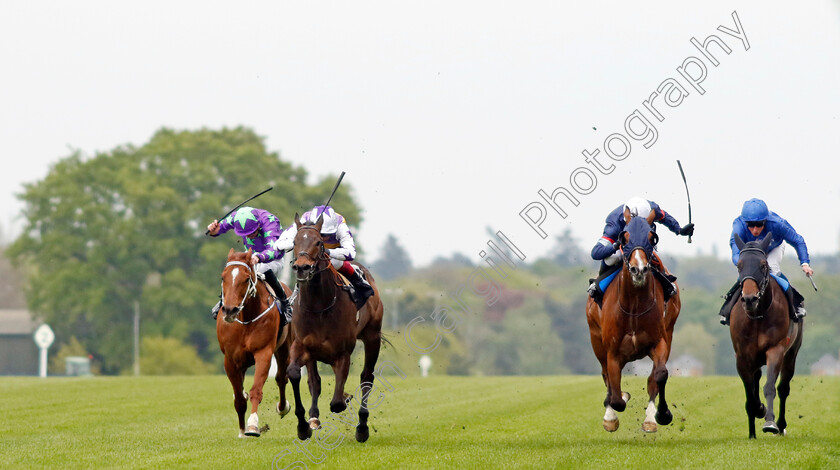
(372, 344)
(749, 379)
(293, 372)
(341, 367)
(614, 397)
(262, 362)
(788, 368)
(657, 380)
(314, 381)
(774, 364)
(240, 403)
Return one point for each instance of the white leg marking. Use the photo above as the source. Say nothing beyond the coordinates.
(610, 415)
(253, 420)
(650, 413)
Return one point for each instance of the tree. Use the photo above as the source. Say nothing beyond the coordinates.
(394, 261)
(128, 224)
(566, 251)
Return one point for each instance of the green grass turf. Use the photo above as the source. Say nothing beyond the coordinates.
(436, 422)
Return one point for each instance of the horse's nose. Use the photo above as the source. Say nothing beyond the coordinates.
(645, 269)
(634, 270)
(749, 300)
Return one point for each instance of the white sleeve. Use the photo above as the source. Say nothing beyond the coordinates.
(347, 251)
(286, 241)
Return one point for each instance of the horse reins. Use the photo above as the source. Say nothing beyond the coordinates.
(250, 292)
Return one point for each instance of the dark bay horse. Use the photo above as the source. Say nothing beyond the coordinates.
(762, 334)
(326, 328)
(635, 322)
(249, 333)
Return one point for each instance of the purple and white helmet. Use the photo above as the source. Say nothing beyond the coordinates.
(331, 219)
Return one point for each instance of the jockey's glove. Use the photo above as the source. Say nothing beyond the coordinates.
(687, 230)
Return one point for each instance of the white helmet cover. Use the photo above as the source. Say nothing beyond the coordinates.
(638, 206)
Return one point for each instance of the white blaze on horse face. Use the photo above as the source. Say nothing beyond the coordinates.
(305, 236)
(233, 274)
(637, 258)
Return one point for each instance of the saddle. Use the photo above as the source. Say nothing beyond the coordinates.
(347, 286)
(598, 286)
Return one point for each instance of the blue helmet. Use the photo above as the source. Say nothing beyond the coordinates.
(754, 210)
(245, 221)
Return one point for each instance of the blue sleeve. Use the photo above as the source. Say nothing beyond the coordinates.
(786, 231)
(737, 227)
(604, 247)
(664, 218)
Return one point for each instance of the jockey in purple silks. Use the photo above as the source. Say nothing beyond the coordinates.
(339, 244)
(259, 230)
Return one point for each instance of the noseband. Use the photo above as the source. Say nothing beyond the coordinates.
(251, 291)
(762, 285)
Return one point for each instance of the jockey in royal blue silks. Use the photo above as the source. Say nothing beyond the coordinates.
(754, 223)
(607, 248)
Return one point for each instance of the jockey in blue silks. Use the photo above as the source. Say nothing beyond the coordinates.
(607, 248)
(754, 223)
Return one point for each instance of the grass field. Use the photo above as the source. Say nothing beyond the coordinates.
(437, 422)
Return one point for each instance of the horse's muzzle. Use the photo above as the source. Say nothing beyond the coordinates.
(229, 313)
(303, 272)
(750, 302)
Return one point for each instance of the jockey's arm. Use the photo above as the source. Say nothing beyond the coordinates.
(286, 241)
(347, 249)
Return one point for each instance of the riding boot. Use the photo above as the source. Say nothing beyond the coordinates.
(798, 303)
(217, 307)
(363, 289)
(280, 293)
(729, 301)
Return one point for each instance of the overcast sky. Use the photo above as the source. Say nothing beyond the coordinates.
(450, 116)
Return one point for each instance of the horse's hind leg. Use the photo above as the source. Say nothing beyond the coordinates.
(281, 355)
(240, 403)
(774, 364)
(314, 382)
(372, 344)
(341, 367)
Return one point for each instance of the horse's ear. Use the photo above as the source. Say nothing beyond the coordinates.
(654, 238)
(621, 238)
(768, 239)
(627, 215)
(250, 253)
(320, 222)
(297, 220)
(650, 217)
(738, 242)
(230, 253)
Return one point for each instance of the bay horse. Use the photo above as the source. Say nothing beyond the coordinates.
(634, 322)
(326, 328)
(249, 333)
(763, 334)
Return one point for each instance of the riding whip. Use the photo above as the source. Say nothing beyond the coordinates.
(686, 195)
(811, 278)
(242, 204)
(340, 177)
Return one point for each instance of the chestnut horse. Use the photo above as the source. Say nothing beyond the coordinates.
(635, 322)
(249, 333)
(762, 334)
(326, 328)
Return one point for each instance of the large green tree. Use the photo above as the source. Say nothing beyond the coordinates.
(104, 231)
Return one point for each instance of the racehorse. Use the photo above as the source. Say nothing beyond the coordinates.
(634, 322)
(762, 334)
(249, 333)
(326, 327)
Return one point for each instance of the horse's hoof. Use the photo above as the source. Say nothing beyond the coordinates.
(649, 427)
(252, 431)
(762, 410)
(664, 418)
(304, 432)
(314, 423)
(285, 410)
(610, 426)
(770, 427)
(362, 433)
(338, 407)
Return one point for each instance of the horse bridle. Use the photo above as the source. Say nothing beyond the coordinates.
(251, 291)
(321, 256)
(762, 286)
